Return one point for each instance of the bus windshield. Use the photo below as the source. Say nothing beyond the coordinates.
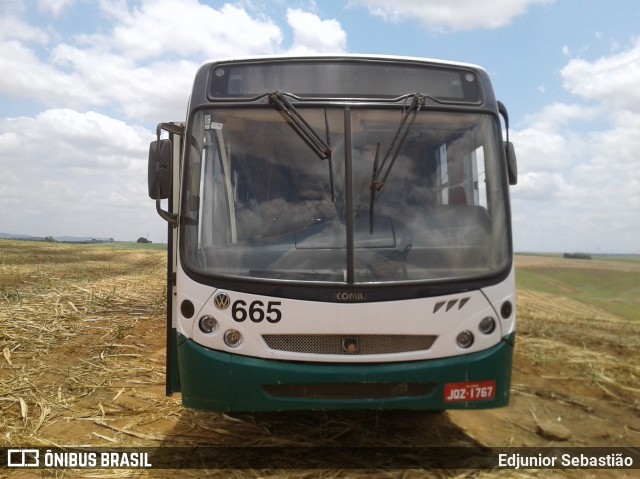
(259, 203)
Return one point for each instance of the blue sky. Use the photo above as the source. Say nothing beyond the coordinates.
(83, 84)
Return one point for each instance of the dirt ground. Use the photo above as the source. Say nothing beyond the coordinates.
(82, 364)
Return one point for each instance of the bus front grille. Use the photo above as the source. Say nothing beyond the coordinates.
(349, 345)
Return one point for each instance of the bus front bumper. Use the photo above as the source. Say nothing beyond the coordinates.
(217, 381)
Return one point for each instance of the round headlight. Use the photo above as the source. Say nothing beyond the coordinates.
(208, 324)
(465, 339)
(487, 325)
(232, 338)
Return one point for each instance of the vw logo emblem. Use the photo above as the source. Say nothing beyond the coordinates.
(222, 300)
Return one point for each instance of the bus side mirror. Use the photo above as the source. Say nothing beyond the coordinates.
(512, 165)
(159, 173)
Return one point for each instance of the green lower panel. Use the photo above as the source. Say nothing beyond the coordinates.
(216, 381)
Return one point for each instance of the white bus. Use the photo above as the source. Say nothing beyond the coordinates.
(339, 236)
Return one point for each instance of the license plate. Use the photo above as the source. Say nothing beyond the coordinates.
(469, 391)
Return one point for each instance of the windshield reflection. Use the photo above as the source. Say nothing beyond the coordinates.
(259, 201)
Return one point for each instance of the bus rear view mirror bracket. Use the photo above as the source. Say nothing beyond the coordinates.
(510, 153)
(159, 175)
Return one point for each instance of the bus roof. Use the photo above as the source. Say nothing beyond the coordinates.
(329, 76)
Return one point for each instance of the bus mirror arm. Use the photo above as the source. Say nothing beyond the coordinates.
(165, 215)
(510, 153)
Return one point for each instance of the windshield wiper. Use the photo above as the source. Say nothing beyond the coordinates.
(374, 175)
(403, 130)
(300, 125)
(304, 130)
(392, 153)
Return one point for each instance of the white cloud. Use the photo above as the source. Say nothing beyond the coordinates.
(24, 75)
(612, 81)
(12, 27)
(452, 14)
(142, 65)
(311, 34)
(187, 28)
(537, 185)
(54, 7)
(75, 173)
(65, 138)
(143, 92)
(557, 115)
(581, 186)
(136, 66)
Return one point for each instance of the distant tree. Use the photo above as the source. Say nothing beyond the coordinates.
(143, 240)
(50, 239)
(576, 256)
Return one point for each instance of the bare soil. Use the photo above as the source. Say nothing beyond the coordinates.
(82, 364)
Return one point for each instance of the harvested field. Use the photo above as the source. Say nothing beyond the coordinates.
(82, 364)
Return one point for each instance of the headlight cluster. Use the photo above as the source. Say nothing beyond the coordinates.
(209, 325)
(465, 339)
(487, 325)
(232, 338)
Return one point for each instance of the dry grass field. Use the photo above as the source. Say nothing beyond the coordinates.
(82, 364)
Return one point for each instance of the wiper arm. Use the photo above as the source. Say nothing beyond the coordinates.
(300, 125)
(304, 130)
(403, 130)
(401, 135)
(374, 175)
